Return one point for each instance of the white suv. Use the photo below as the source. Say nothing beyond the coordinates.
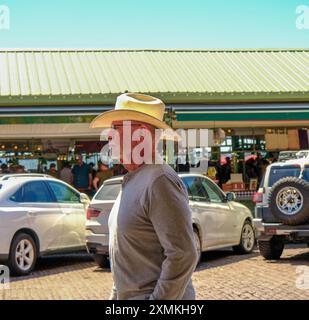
(39, 215)
(217, 220)
(282, 207)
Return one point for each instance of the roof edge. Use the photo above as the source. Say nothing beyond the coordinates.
(4, 50)
(167, 97)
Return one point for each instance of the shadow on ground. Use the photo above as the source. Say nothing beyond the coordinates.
(294, 259)
(219, 258)
(56, 264)
(70, 262)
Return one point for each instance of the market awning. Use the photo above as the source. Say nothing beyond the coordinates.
(46, 121)
(94, 77)
(240, 116)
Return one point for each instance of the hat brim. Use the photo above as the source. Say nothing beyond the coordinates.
(106, 119)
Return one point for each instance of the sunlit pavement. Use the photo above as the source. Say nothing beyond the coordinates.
(221, 275)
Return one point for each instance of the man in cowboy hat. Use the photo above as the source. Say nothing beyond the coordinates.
(152, 247)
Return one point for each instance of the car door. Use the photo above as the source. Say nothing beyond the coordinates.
(203, 212)
(70, 204)
(226, 220)
(43, 214)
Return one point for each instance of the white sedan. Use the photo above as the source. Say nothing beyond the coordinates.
(218, 221)
(39, 215)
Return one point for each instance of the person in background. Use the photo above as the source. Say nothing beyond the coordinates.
(93, 171)
(66, 173)
(4, 168)
(82, 176)
(16, 168)
(53, 171)
(119, 170)
(103, 174)
(226, 170)
(262, 166)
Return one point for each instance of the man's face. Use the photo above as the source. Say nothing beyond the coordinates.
(103, 167)
(79, 161)
(127, 144)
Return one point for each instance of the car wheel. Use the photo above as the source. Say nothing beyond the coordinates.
(198, 246)
(247, 239)
(271, 249)
(23, 255)
(102, 261)
(288, 201)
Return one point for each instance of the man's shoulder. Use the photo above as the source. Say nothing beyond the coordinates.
(164, 176)
(158, 171)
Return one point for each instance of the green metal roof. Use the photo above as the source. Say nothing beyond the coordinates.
(63, 77)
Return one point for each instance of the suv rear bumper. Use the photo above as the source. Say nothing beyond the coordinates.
(96, 248)
(279, 229)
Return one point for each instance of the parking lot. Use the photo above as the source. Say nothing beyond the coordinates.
(221, 275)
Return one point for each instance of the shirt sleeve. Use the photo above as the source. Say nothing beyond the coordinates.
(113, 294)
(171, 218)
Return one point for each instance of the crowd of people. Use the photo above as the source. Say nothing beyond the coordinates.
(252, 168)
(84, 177)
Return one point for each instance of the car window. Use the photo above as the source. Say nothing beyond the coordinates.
(109, 191)
(306, 173)
(63, 193)
(215, 195)
(35, 191)
(277, 173)
(18, 195)
(196, 190)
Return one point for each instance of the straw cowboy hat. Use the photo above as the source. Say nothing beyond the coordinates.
(136, 107)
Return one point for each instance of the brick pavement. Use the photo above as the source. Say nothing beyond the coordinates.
(221, 275)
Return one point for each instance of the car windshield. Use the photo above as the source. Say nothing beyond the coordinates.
(109, 191)
(277, 173)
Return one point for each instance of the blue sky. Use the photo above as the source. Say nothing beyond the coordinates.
(153, 24)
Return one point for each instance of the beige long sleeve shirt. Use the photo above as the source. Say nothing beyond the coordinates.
(152, 248)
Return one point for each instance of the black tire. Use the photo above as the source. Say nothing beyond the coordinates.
(243, 247)
(272, 249)
(198, 246)
(101, 260)
(15, 268)
(300, 217)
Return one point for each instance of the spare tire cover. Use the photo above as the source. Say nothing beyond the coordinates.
(289, 201)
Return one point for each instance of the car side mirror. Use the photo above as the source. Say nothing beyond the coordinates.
(84, 199)
(230, 196)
